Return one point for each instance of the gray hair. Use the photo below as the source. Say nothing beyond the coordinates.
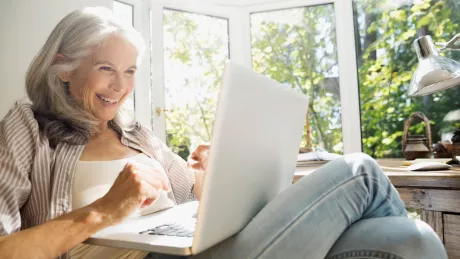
(60, 118)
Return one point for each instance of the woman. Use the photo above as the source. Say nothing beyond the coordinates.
(76, 85)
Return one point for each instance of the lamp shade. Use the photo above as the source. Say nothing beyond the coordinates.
(434, 73)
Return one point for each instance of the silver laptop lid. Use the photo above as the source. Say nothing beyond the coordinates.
(254, 147)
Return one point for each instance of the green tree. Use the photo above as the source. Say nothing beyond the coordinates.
(297, 47)
(387, 63)
(196, 47)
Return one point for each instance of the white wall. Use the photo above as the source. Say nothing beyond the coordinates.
(25, 26)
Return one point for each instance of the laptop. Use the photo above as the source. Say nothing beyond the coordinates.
(255, 142)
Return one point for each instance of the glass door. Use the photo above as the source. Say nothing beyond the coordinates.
(195, 48)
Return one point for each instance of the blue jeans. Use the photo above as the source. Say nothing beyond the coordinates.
(345, 209)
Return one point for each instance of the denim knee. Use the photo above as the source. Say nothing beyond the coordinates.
(360, 163)
(430, 242)
(388, 237)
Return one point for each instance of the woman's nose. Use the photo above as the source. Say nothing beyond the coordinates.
(118, 84)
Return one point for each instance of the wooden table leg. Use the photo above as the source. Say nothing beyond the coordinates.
(434, 219)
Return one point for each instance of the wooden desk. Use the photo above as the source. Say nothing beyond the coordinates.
(436, 194)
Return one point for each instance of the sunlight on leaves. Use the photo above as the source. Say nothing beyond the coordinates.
(195, 49)
(386, 62)
(298, 48)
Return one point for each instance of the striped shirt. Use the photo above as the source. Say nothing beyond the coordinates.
(36, 180)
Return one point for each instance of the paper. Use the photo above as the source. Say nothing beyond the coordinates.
(317, 156)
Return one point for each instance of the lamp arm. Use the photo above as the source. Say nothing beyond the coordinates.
(453, 44)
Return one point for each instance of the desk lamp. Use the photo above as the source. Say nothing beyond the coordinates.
(435, 73)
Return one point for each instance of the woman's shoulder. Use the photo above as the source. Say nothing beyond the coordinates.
(143, 132)
(20, 119)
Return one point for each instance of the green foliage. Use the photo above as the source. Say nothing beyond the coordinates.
(196, 47)
(387, 63)
(301, 53)
(298, 48)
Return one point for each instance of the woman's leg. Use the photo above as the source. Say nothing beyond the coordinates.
(307, 219)
(388, 237)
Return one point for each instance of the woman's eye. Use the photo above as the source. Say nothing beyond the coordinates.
(106, 68)
(131, 72)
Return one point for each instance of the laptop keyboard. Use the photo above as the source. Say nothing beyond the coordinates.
(173, 229)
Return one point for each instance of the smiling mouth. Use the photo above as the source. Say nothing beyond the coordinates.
(106, 100)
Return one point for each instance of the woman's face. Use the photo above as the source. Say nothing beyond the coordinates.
(104, 78)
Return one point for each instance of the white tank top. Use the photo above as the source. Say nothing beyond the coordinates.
(92, 180)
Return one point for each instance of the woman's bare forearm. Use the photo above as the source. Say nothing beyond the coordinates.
(199, 178)
(56, 236)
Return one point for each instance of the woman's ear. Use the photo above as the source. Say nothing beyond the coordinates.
(64, 76)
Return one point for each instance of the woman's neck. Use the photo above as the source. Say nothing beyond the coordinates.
(104, 132)
(104, 126)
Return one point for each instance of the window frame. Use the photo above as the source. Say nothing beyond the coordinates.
(157, 65)
(240, 51)
(348, 75)
(140, 21)
(132, 3)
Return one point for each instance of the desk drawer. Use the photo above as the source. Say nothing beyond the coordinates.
(452, 235)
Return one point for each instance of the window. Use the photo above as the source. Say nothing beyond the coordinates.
(385, 31)
(297, 47)
(195, 49)
(125, 12)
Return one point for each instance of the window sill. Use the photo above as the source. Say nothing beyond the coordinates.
(399, 176)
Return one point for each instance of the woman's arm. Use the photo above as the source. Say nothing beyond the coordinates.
(185, 180)
(18, 135)
(55, 237)
(198, 163)
(132, 188)
(198, 186)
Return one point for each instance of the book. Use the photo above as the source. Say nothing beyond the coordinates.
(316, 158)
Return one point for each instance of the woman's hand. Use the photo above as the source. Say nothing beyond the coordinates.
(136, 186)
(198, 162)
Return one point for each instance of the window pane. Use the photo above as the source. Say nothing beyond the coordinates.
(125, 13)
(385, 31)
(298, 48)
(195, 49)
